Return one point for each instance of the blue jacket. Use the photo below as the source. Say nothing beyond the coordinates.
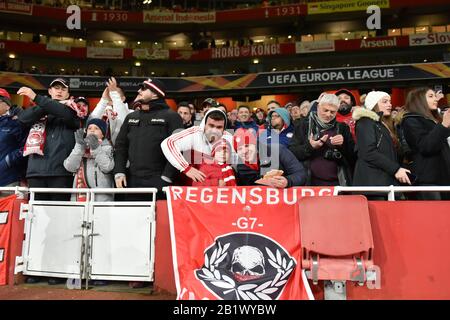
(284, 138)
(247, 125)
(294, 170)
(12, 141)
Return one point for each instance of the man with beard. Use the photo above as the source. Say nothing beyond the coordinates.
(196, 143)
(347, 102)
(140, 138)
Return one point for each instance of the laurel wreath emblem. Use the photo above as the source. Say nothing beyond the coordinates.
(212, 274)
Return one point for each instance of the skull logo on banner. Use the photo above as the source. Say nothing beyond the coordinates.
(245, 266)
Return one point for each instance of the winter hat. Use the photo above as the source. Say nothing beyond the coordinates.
(284, 114)
(347, 92)
(243, 137)
(99, 123)
(82, 99)
(221, 144)
(213, 103)
(155, 86)
(5, 97)
(373, 97)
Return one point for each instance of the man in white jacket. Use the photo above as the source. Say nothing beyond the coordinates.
(198, 141)
(112, 108)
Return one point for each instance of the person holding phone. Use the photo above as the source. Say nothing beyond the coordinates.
(377, 144)
(427, 133)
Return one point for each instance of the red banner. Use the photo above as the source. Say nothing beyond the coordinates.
(238, 243)
(6, 206)
(371, 43)
(15, 7)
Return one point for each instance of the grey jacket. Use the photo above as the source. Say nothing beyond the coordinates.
(98, 169)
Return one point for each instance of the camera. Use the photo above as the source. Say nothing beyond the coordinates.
(333, 154)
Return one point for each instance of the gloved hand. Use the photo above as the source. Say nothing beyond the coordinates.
(79, 137)
(92, 141)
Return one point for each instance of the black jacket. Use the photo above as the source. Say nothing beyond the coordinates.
(294, 171)
(429, 149)
(303, 150)
(377, 160)
(139, 141)
(61, 124)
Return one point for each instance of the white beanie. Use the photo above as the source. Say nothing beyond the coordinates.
(373, 97)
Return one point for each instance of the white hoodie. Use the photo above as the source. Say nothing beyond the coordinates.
(193, 140)
(118, 106)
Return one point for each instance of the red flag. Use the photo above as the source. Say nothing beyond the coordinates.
(6, 206)
(240, 243)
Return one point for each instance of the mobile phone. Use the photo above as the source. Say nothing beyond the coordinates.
(412, 178)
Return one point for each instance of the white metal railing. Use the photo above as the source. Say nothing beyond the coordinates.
(91, 210)
(389, 190)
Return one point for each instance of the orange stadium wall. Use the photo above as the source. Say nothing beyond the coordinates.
(410, 247)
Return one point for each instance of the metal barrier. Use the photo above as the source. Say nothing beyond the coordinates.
(391, 190)
(91, 239)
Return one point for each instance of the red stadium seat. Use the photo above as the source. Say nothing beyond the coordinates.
(336, 238)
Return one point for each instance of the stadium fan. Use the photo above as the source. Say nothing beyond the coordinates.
(139, 141)
(112, 108)
(199, 141)
(427, 134)
(271, 165)
(12, 139)
(377, 163)
(325, 145)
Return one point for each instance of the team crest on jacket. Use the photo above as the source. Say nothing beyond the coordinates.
(246, 266)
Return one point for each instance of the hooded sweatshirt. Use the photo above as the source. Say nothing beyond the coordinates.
(192, 140)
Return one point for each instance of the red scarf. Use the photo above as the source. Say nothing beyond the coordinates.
(109, 114)
(81, 182)
(37, 136)
(228, 175)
